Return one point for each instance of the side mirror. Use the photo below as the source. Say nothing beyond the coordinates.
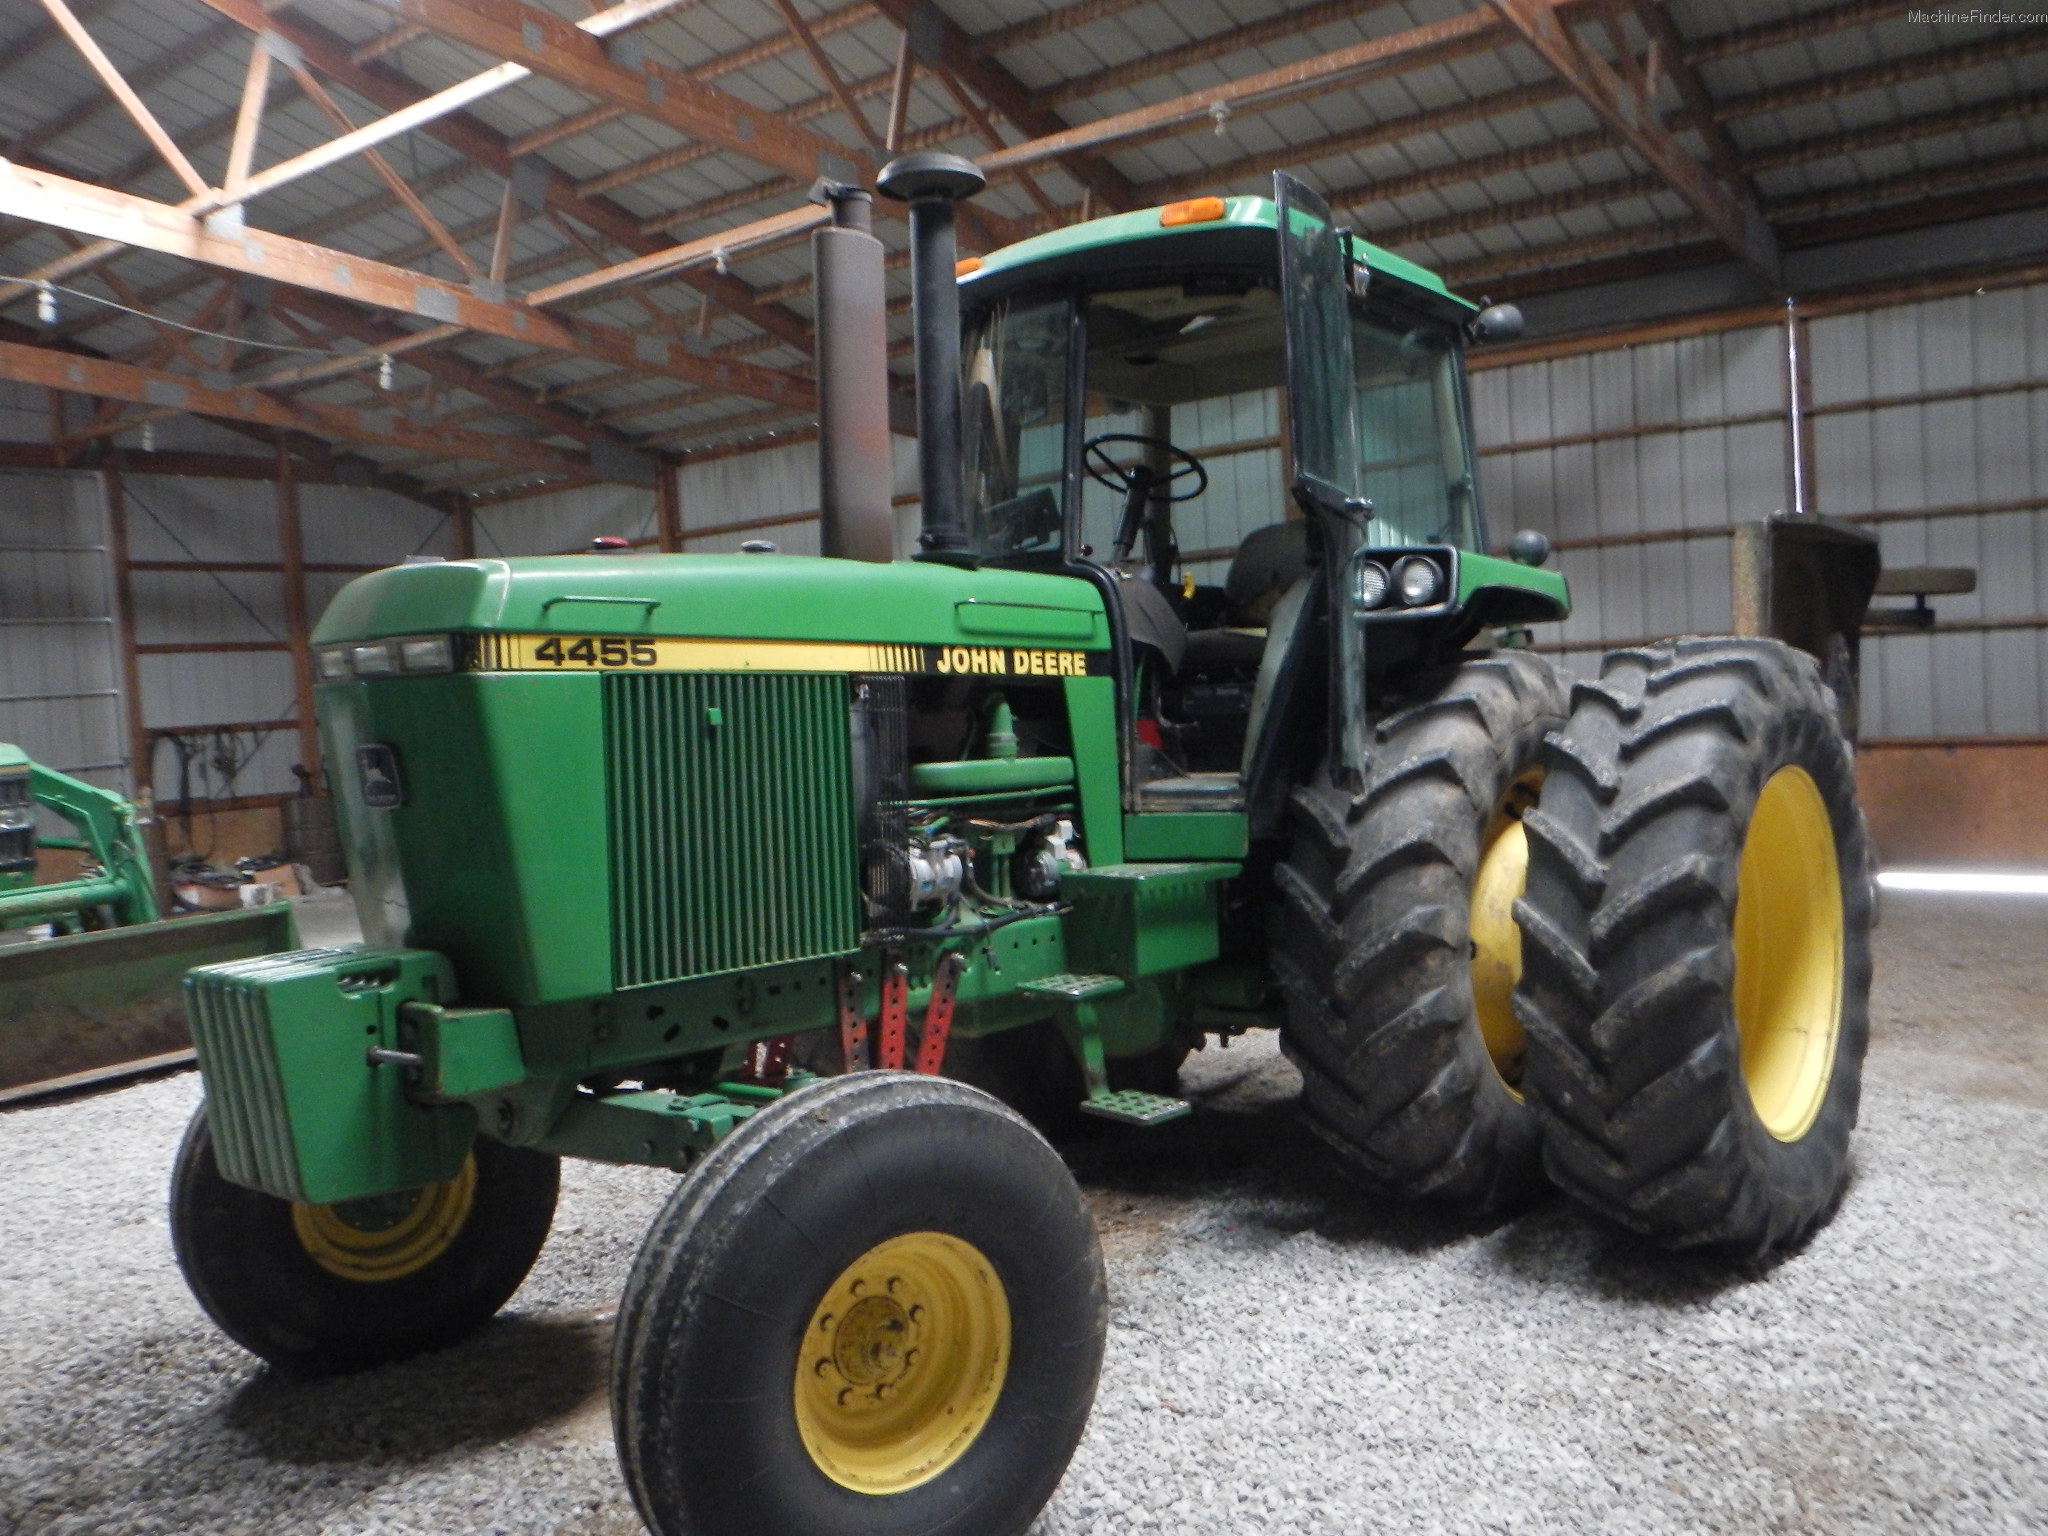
(1529, 547)
(1496, 322)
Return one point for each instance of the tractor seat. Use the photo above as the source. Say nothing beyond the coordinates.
(1269, 561)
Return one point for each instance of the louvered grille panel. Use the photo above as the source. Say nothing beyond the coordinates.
(732, 822)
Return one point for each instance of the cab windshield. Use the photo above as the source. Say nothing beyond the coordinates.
(1198, 363)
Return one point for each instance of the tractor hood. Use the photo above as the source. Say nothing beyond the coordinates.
(762, 597)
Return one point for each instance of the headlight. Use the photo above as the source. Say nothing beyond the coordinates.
(1371, 583)
(431, 653)
(1418, 581)
(13, 818)
(378, 660)
(409, 654)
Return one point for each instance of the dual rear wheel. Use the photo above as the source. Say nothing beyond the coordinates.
(1626, 946)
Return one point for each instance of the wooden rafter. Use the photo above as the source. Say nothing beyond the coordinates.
(1618, 99)
(121, 91)
(478, 142)
(827, 71)
(95, 211)
(451, 370)
(182, 393)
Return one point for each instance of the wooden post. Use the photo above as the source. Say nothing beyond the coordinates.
(462, 527)
(668, 505)
(124, 633)
(291, 548)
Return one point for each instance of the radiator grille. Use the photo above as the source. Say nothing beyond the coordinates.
(732, 822)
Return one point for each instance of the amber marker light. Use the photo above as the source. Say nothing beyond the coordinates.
(1196, 210)
(967, 268)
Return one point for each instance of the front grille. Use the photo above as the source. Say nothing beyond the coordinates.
(732, 822)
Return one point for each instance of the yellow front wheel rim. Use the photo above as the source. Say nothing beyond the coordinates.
(902, 1363)
(1788, 954)
(387, 1237)
(1496, 941)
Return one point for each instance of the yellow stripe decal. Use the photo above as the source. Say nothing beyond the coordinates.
(625, 653)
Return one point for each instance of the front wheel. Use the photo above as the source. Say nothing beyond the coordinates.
(1696, 930)
(326, 1288)
(877, 1309)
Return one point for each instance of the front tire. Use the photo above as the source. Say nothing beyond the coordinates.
(1400, 954)
(318, 1289)
(1697, 928)
(876, 1309)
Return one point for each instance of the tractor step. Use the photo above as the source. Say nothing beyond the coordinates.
(1068, 988)
(1129, 1106)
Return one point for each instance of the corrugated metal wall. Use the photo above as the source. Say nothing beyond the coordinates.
(1691, 433)
(60, 680)
(60, 695)
(1984, 446)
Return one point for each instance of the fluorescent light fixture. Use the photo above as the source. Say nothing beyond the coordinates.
(1964, 882)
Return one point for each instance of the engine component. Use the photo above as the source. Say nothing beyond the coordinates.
(1044, 861)
(938, 868)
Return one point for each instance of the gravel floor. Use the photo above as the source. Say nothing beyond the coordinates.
(1284, 1354)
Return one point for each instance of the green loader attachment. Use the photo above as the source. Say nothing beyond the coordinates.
(99, 998)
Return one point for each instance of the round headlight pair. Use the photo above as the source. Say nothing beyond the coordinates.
(1415, 581)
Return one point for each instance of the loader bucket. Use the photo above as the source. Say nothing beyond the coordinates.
(98, 1006)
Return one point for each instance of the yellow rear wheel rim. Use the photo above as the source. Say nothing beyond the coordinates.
(1496, 941)
(902, 1363)
(1788, 954)
(387, 1237)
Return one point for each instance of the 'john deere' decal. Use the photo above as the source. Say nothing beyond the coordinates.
(616, 653)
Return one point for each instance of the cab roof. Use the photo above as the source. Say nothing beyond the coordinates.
(1241, 215)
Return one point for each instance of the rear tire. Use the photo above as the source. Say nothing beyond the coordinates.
(1697, 934)
(1399, 1020)
(770, 1375)
(318, 1289)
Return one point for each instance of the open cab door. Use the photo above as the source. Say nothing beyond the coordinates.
(1327, 476)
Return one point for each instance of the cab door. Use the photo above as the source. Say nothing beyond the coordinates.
(1327, 475)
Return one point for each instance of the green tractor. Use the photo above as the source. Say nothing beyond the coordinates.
(1191, 716)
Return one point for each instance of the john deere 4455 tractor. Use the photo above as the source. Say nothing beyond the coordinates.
(1192, 715)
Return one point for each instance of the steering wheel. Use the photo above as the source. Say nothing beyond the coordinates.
(1140, 484)
(1104, 470)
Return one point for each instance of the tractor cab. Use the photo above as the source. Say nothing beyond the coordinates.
(1253, 445)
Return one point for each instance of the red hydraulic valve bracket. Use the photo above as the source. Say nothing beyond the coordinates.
(768, 1061)
(895, 1011)
(938, 1015)
(853, 1021)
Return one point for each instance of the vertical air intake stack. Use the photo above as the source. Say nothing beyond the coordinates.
(932, 184)
(854, 470)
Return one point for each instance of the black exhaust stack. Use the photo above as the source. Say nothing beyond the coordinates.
(932, 184)
(854, 470)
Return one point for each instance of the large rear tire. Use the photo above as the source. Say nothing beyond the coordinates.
(877, 1309)
(1696, 926)
(317, 1289)
(1400, 955)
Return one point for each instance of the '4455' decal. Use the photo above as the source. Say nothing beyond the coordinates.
(592, 652)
